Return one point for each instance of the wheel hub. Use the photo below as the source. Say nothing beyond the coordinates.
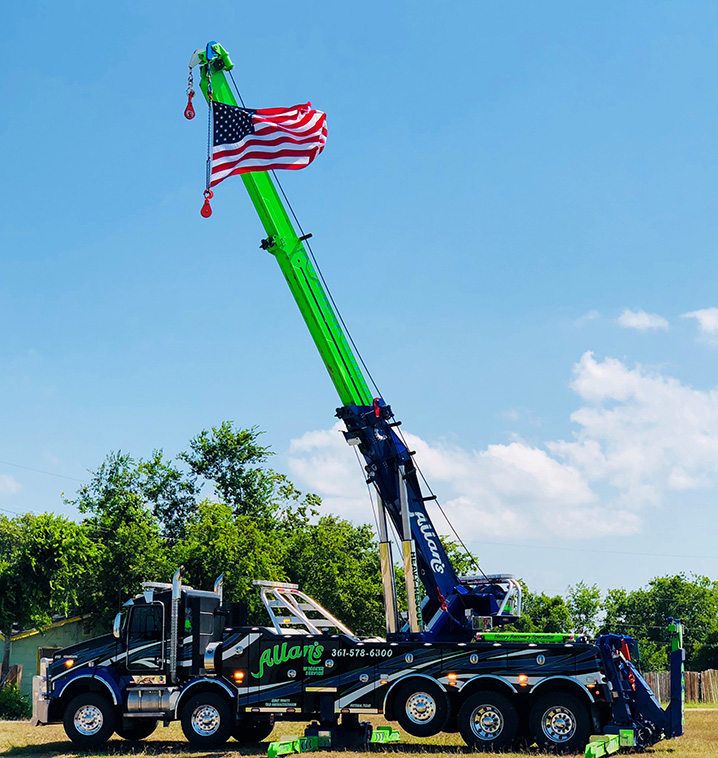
(487, 722)
(558, 724)
(421, 708)
(88, 720)
(205, 720)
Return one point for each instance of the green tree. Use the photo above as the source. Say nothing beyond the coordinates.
(131, 547)
(542, 613)
(170, 492)
(219, 541)
(584, 607)
(45, 562)
(464, 563)
(233, 461)
(644, 614)
(337, 563)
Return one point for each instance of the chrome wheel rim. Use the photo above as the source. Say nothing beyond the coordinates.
(487, 722)
(558, 724)
(420, 708)
(88, 720)
(205, 720)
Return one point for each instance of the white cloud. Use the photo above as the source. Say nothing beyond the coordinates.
(9, 485)
(587, 317)
(641, 320)
(643, 433)
(707, 319)
(640, 437)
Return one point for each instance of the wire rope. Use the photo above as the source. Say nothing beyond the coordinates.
(335, 307)
(443, 512)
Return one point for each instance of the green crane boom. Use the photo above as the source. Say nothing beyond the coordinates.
(287, 247)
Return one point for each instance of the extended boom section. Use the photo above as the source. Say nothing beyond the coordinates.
(287, 246)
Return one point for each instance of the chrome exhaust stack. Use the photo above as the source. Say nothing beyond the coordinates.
(174, 622)
(219, 586)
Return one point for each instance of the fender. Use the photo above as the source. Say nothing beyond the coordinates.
(204, 680)
(481, 677)
(559, 677)
(406, 678)
(95, 675)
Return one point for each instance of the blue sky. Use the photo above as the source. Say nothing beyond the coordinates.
(515, 212)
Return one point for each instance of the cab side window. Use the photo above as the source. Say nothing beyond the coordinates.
(146, 623)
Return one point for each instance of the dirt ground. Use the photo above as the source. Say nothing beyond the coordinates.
(20, 739)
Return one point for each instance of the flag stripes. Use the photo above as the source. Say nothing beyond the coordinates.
(261, 140)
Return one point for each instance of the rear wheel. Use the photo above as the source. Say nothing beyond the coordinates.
(138, 729)
(250, 732)
(89, 719)
(488, 721)
(560, 722)
(207, 720)
(422, 708)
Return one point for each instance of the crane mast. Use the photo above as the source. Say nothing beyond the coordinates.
(370, 425)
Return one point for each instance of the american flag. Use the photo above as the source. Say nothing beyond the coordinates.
(261, 140)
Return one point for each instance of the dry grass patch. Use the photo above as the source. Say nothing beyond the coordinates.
(20, 739)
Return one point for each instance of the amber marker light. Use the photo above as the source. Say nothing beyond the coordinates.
(238, 676)
(69, 663)
(451, 678)
(523, 680)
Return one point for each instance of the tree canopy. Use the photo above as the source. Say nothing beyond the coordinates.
(219, 508)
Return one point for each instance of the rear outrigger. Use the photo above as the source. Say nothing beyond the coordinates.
(182, 654)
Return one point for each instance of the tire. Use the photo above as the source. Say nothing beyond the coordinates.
(207, 720)
(488, 721)
(89, 719)
(138, 729)
(421, 708)
(251, 732)
(560, 722)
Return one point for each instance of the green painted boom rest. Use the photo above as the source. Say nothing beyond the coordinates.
(284, 243)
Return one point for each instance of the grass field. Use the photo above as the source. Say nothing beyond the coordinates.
(20, 739)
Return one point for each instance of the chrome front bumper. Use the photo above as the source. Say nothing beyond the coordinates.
(41, 695)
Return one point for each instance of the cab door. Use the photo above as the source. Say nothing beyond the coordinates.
(145, 642)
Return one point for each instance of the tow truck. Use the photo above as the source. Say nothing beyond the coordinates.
(446, 664)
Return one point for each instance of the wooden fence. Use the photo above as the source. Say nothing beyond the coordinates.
(701, 686)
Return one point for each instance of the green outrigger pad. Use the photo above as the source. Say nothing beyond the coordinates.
(607, 744)
(385, 734)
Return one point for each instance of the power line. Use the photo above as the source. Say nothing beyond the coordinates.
(40, 471)
(596, 550)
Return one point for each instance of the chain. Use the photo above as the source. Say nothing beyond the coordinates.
(209, 82)
(189, 110)
(208, 175)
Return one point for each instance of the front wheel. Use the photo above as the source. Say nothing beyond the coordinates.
(89, 719)
(207, 720)
(137, 729)
(560, 722)
(488, 721)
(422, 708)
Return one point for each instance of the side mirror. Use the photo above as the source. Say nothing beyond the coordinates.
(117, 625)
